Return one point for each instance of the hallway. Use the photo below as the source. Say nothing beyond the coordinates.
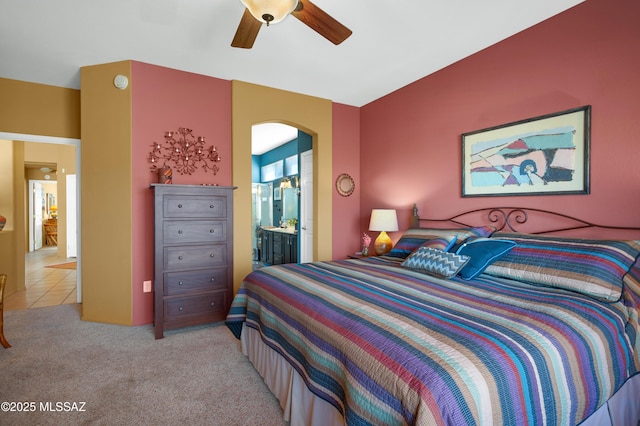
(44, 286)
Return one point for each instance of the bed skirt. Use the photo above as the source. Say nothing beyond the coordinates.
(303, 408)
(622, 409)
(300, 406)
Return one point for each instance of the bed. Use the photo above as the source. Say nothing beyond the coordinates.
(461, 323)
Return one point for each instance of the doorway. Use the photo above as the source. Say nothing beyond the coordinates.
(42, 205)
(73, 194)
(306, 207)
(277, 168)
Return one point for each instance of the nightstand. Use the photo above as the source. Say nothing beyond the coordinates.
(357, 256)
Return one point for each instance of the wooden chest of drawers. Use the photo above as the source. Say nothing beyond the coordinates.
(193, 255)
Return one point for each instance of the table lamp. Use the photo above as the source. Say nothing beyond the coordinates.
(383, 220)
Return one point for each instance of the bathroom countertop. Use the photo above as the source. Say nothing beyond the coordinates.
(278, 229)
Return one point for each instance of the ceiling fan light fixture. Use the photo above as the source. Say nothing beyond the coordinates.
(270, 11)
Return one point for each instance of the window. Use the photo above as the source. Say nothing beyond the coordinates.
(272, 171)
(291, 165)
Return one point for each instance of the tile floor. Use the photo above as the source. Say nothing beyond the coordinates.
(44, 286)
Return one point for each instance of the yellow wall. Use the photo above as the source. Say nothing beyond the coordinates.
(253, 104)
(8, 260)
(6, 182)
(37, 109)
(106, 196)
(32, 109)
(8, 236)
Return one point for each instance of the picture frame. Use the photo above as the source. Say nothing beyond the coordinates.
(51, 201)
(544, 155)
(277, 194)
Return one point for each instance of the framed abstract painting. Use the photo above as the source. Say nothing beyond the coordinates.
(544, 155)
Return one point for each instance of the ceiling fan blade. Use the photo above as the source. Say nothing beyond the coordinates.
(321, 22)
(247, 31)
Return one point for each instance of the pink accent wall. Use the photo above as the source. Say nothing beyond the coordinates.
(346, 159)
(405, 148)
(164, 99)
(588, 55)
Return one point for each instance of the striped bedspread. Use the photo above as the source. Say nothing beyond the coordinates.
(386, 345)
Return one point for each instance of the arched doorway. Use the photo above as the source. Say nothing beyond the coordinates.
(279, 155)
(252, 104)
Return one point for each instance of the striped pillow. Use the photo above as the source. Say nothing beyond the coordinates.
(415, 237)
(631, 297)
(592, 267)
(435, 262)
(440, 243)
(632, 284)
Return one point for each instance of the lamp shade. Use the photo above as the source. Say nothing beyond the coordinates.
(383, 220)
(270, 11)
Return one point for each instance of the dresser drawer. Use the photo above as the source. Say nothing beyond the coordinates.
(203, 304)
(194, 206)
(194, 231)
(189, 281)
(194, 257)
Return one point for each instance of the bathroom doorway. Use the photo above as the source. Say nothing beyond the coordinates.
(276, 190)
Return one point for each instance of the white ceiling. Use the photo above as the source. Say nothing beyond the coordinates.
(394, 43)
(265, 137)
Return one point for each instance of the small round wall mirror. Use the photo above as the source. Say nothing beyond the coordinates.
(345, 185)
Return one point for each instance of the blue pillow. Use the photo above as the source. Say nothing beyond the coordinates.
(482, 251)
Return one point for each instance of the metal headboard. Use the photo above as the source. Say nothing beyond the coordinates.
(516, 219)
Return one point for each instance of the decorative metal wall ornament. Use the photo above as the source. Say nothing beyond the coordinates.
(184, 152)
(345, 185)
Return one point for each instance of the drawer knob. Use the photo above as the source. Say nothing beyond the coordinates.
(211, 231)
(179, 206)
(212, 279)
(180, 283)
(180, 308)
(179, 257)
(212, 255)
(211, 206)
(179, 231)
(212, 304)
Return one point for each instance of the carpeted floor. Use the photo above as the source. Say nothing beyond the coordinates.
(68, 265)
(121, 375)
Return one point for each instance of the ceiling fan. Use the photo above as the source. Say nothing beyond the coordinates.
(260, 12)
